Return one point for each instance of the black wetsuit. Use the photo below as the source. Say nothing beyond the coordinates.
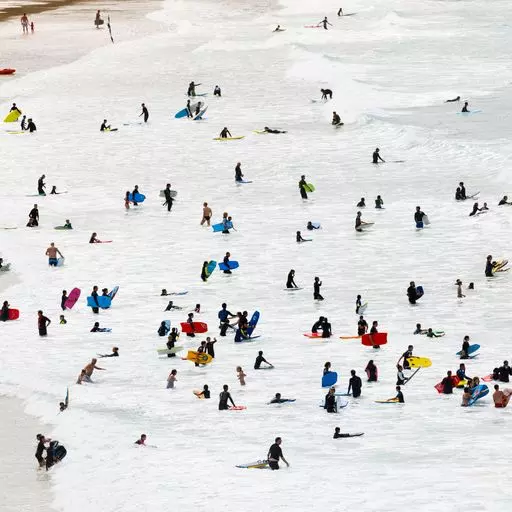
(259, 360)
(275, 453)
(95, 309)
(316, 290)
(238, 173)
(224, 396)
(40, 187)
(39, 453)
(325, 93)
(204, 277)
(63, 301)
(503, 373)
(326, 330)
(405, 356)
(371, 371)
(210, 348)
(400, 397)
(377, 157)
(317, 325)
(290, 282)
(145, 113)
(303, 192)
(171, 342)
(168, 198)
(4, 314)
(34, 217)
(412, 294)
(226, 262)
(31, 127)
(488, 269)
(330, 403)
(355, 384)
(463, 192)
(361, 204)
(362, 327)
(224, 315)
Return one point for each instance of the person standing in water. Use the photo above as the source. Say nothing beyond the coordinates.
(144, 113)
(224, 397)
(225, 133)
(41, 186)
(290, 280)
(316, 289)
(42, 323)
(376, 156)
(275, 453)
(24, 23)
(325, 22)
(207, 214)
(217, 91)
(52, 252)
(303, 187)
(168, 198)
(238, 172)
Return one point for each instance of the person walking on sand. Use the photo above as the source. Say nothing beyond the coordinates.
(24, 23)
(207, 214)
(52, 252)
(240, 375)
(42, 323)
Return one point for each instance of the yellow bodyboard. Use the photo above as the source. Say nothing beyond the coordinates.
(198, 357)
(419, 362)
(12, 117)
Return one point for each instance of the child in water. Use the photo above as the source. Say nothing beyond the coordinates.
(241, 375)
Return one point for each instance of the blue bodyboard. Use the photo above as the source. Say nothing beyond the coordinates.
(104, 302)
(200, 115)
(113, 292)
(479, 392)
(472, 349)
(211, 267)
(316, 225)
(329, 379)
(252, 324)
(232, 265)
(419, 291)
(181, 113)
(220, 226)
(138, 197)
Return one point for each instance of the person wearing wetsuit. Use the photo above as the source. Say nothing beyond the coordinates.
(362, 326)
(298, 238)
(135, 191)
(504, 372)
(454, 100)
(355, 384)
(379, 202)
(489, 266)
(104, 127)
(336, 119)
(41, 186)
(457, 194)
(358, 303)
(310, 226)
(340, 13)
(325, 93)
(412, 293)
(243, 323)
(465, 107)
(41, 440)
(192, 88)
(376, 156)
(504, 201)
(31, 126)
(271, 130)
(316, 289)
(226, 262)
(462, 190)
(97, 328)
(238, 172)
(361, 203)
(33, 217)
(168, 199)
(225, 133)
(23, 123)
(371, 371)
(405, 356)
(142, 440)
(418, 217)
(224, 397)
(399, 395)
(204, 274)
(326, 329)
(63, 300)
(224, 315)
(210, 349)
(171, 340)
(4, 313)
(324, 22)
(318, 325)
(302, 187)
(94, 295)
(358, 222)
(447, 383)
(260, 359)
(475, 210)
(330, 401)
(217, 91)
(400, 377)
(198, 108)
(278, 400)
(290, 280)
(205, 393)
(275, 454)
(144, 113)
(163, 329)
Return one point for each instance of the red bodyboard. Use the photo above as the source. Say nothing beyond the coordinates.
(455, 381)
(14, 314)
(196, 327)
(73, 296)
(371, 340)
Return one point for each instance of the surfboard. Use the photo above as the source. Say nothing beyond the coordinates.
(362, 308)
(313, 335)
(73, 296)
(419, 362)
(349, 337)
(174, 350)
(61, 227)
(253, 322)
(212, 265)
(198, 357)
(139, 198)
(14, 314)
(220, 226)
(5, 268)
(196, 95)
(113, 292)
(229, 138)
(199, 116)
(232, 265)
(392, 401)
(60, 262)
(174, 193)
(104, 302)
(12, 116)
(471, 112)
(197, 327)
(329, 379)
(373, 340)
(472, 349)
(312, 26)
(292, 289)
(259, 464)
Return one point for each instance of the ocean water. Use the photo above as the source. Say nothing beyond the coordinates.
(391, 67)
